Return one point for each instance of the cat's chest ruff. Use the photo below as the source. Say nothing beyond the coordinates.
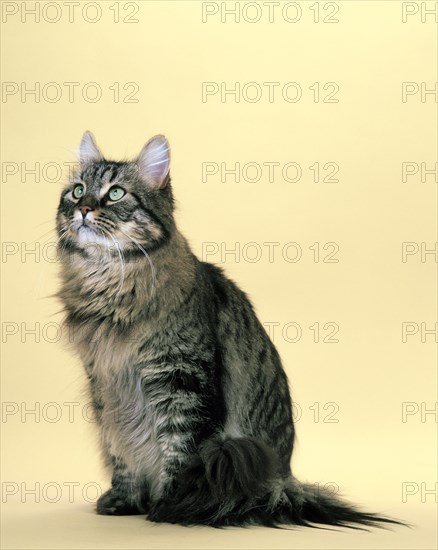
(106, 351)
(107, 287)
(109, 355)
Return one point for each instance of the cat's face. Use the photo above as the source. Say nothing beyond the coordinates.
(122, 206)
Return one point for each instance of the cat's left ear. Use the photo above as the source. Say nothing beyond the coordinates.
(88, 150)
(154, 162)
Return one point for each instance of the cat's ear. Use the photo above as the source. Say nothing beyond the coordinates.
(88, 150)
(154, 161)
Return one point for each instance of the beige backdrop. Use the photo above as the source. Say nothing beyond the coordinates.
(330, 212)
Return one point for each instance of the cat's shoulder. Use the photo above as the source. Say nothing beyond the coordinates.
(225, 289)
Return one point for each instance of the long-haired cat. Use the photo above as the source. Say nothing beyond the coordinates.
(189, 392)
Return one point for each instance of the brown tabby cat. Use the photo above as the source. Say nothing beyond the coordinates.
(188, 390)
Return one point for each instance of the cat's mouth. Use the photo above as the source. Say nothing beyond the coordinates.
(86, 234)
(99, 236)
(84, 225)
(90, 235)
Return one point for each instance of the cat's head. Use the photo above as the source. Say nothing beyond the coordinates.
(122, 205)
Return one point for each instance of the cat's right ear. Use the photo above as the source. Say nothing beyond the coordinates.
(88, 150)
(154, 161)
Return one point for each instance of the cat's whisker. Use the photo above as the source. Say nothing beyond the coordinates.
(108, 245)
(153, 272)
(62, 242)
(43, 223)
(39, 239)
(122, 263)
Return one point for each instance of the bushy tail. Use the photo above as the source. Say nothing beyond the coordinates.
(319, 505)
(237, 481)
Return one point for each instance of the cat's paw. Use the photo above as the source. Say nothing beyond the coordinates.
(113, 503)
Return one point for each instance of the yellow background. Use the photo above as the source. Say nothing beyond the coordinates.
(369, 452)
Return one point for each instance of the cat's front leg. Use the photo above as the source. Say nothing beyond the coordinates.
(183, 400)
(128, 495)
(166, 485)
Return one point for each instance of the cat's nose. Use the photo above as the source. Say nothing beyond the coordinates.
(85, 209)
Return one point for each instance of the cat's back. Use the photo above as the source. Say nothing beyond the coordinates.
(225, 293)
(255, 385)
(233, 308)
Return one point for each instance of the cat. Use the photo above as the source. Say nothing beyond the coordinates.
(188, 390)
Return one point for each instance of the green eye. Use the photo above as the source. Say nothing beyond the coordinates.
(78, 191)
(116, 193)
